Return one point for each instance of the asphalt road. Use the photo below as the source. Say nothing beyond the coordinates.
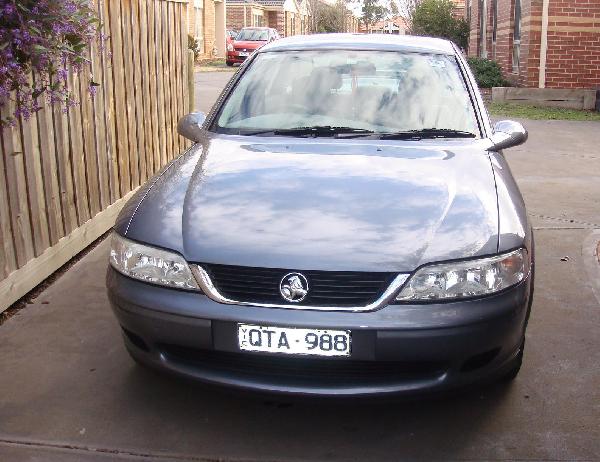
(69, 392)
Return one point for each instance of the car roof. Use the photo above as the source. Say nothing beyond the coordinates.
(383, 42)
(256, 28)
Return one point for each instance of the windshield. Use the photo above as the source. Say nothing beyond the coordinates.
(253, 35)
(363, 90)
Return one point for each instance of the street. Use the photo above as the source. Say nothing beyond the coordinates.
(70, 392)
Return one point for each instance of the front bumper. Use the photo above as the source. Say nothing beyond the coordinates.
(234, 57)
(397, 349)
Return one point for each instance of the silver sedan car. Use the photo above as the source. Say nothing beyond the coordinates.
(345, 224)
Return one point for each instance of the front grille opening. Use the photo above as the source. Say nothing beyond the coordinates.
(326, 288)
(480, 360)
(135, 339)
(302, 370)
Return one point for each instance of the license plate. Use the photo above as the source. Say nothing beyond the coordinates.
(294, 341)
(243, 53)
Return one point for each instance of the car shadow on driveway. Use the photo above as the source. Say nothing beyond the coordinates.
(258, 426)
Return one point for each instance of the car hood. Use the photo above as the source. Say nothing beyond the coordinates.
(249, 44)
(354, 205)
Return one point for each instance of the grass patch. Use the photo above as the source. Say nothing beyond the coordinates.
(540, 113)
(212, 62)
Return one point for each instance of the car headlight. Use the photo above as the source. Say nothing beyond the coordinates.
(150, 264)
(229, 47)
(471, 278)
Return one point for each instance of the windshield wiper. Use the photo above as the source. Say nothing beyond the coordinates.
(314, 131)
(425, 133)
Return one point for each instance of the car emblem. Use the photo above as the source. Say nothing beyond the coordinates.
(293, 287)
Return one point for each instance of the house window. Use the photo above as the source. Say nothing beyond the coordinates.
(469, 11)
(494, 26)
(482, 28)
(257, 20)
(516, 56)
(293, 25)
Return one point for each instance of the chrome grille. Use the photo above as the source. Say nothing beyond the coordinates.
(326, 288)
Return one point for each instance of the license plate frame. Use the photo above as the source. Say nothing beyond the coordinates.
(294, 341)
(243, 54)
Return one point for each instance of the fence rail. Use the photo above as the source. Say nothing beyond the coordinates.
(65, 176)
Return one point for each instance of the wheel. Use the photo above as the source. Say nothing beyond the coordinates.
(229, 63)
(515, 367)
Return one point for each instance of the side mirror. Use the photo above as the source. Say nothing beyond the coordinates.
(507, 134)
(190, 125)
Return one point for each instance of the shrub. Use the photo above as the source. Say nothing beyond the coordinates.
(194, 46)
(50, 38)
(436, 18)
(488, 73)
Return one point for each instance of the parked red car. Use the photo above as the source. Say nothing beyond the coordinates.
(230, 36)
(248, 40)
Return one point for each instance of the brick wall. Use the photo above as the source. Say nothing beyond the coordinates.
(235, 16)
(191, 18)
(502, 50)
(272, 18)
(573, 57)
(573, 53)
(208, 25)
(280, 22)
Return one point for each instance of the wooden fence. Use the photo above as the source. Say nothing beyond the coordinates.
(65, 176)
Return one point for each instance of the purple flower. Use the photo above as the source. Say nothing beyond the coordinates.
(42, 40)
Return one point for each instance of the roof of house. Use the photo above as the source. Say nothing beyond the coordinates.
(385, 42)
(398, 21)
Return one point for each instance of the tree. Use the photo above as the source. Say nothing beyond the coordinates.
(372, 12)
(434, 18)
(328, 18)
(407, 8)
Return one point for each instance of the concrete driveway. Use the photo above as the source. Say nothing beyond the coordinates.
(208, 87)
(69, 392)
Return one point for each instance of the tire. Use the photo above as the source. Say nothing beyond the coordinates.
(229, 63)
(515, 367)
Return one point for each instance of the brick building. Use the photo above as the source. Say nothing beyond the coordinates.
(539, 43)
(289, 17)
(459, 8)
(206, 22)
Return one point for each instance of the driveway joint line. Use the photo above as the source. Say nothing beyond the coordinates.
(561, 228)
(178, 457)
(110, 451)
(565, 220)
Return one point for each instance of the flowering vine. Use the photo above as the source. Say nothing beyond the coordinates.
(50, 38)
